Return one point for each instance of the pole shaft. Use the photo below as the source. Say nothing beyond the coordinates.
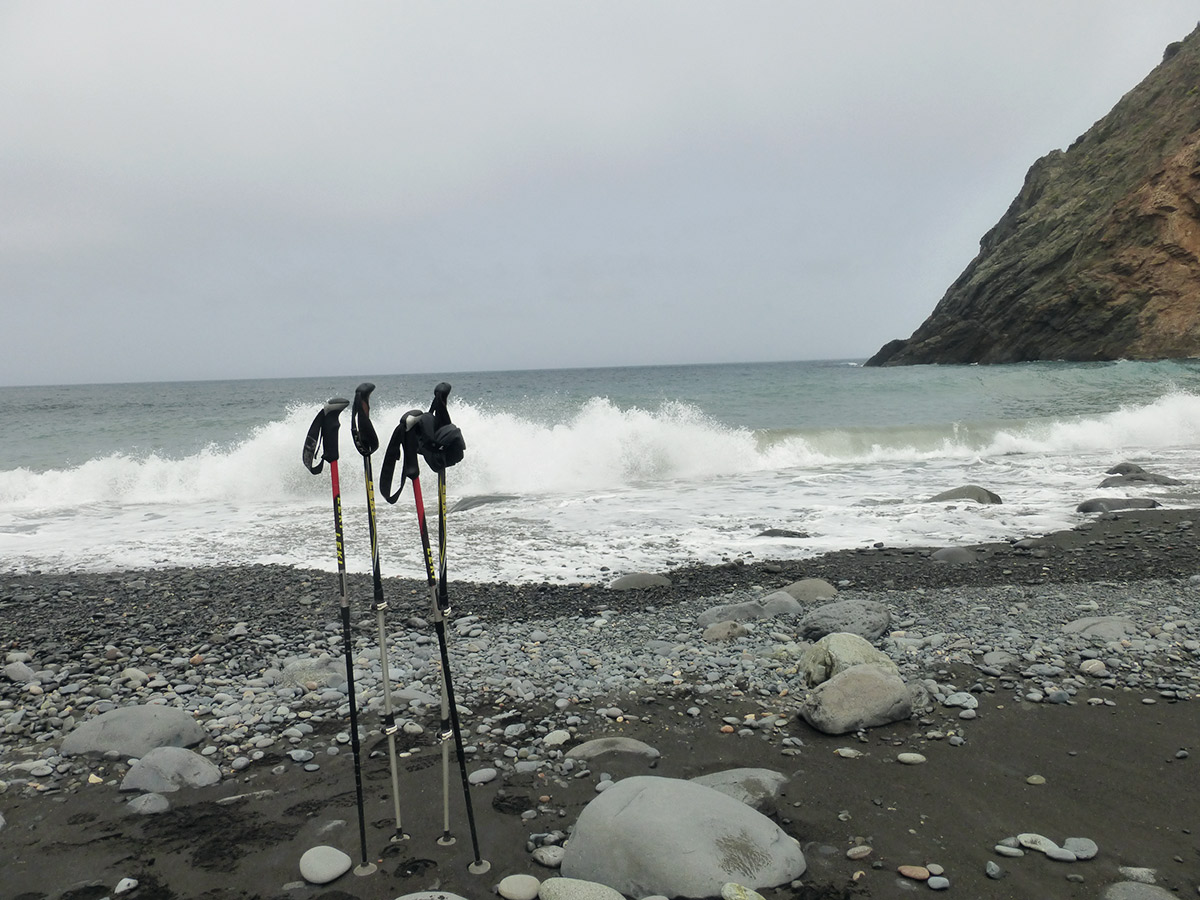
(380, 607)
(346, 643)
(441, 605)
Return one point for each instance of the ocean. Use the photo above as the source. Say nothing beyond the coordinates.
(584, 474)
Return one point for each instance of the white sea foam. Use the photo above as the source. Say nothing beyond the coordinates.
(604, 486)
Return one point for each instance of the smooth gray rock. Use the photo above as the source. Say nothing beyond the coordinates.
(148, 804)
(1000, 658)
(1138, 478)
(732, 612)
(1083, 848)
(321, 865)
(811, 590)
(648, 835)
(1109, 504)
(1139, 874)
(134, 731)
(1135, 890)
(759, 789)
(781, 603)
(19, 673)
(783, 533)
(835, 653)
(639, 581)
(550, 856)
(166, 769)
(1101, 628)
(327, 672)
(600, 746)
(866, 618)
(1125, 468)
(723, 632)
(575, 889)
(518, 886)
(967, 492)
(956, 556)
(860, 697)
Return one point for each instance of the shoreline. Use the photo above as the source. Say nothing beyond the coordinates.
(1131, 545)
(1108, 756)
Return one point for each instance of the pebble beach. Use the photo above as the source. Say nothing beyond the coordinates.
(1050, 749)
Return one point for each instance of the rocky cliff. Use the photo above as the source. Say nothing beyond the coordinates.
(1098, 257)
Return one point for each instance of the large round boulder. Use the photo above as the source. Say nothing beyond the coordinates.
(860, 697)
(837, 652)
(649, 835)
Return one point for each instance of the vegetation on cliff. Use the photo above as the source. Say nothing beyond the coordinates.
(1098, 257)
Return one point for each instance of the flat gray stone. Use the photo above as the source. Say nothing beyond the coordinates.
(868, 619)
(134, 731)
(303, 671)
(600, 746)
(1083, 848)
(1139, 874)
(1135, 478)
(972, 492)
(19, 673)
(732, 612)
(1136, 890)
(148, 804)
(649, 835)
(723, 632)
(575, 889)
(811, 590)
(550, 856)
(956, 556)
(639, 581)
(781, 603)
(1101, 628)
(166, 769)
(1111, 504)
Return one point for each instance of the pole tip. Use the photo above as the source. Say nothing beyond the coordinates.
(366, 868)
(479, 867)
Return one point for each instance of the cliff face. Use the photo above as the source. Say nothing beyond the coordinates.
(1098, 257)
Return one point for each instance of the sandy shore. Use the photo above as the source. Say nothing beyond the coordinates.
(1118, 761)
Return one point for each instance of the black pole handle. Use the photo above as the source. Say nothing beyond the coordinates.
(361, 429)
(323, 436)
(402, 449)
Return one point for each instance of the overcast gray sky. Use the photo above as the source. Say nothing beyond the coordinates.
(259, 189)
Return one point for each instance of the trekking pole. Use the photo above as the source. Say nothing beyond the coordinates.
(444, 448)
(323, 436)
(367, 442)
(441, 443)
(404, 444)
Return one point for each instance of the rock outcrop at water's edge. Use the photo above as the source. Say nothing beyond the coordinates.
(1098, 257)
